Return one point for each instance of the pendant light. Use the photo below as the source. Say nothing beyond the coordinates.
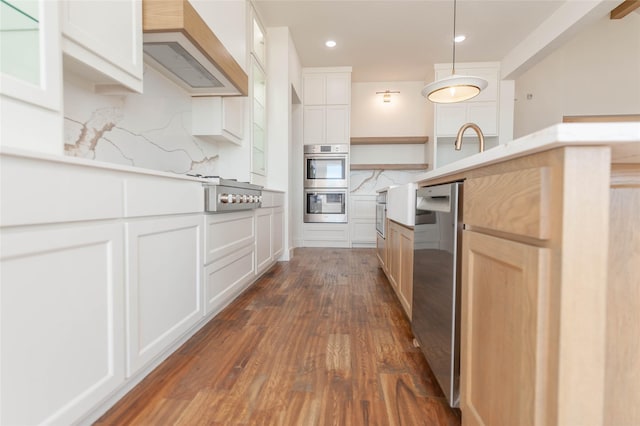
(455, 88)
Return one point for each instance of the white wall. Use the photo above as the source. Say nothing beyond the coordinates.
(597, 72)
(408, 113)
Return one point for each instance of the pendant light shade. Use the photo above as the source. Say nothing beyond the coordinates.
(455, 88)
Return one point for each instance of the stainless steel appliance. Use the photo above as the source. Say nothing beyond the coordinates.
(325, 205)
(227, 195)
(326, 166)
(381, 213)
(436, 282)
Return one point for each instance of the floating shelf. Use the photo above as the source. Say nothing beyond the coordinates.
(421, 166)
(390, 140)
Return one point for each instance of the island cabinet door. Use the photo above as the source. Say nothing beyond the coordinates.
(504, 300)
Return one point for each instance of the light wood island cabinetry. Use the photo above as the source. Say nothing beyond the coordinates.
(399, 266)
(550, 289)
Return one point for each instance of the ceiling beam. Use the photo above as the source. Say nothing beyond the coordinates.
(624, 8)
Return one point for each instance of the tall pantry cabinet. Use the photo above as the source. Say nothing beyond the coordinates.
(326, 98)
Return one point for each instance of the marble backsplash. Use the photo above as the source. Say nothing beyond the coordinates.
(150, 130)
(368, 181)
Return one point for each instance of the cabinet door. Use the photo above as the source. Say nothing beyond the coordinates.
(485, 115)
(61, 307)
(313, 129)
(381, 251)
(504, 300)
(405, 283)
(449, 118)
(31, 76)
(277, 233)
(106, 36)
(163, 286)
(338, 89)
(313, 89)
(393, 253)
(263, 238)
(337, 124)
(225, 278)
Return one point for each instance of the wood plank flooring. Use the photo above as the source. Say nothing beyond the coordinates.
(319, 340)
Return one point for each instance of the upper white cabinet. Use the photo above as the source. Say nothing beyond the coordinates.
(102, 39)
(218, 118)
(31, 76)
(482, 110)
(259, 45)
(327, 88)
(258, 119)
(327, 105)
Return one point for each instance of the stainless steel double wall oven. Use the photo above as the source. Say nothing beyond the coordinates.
(326, 183)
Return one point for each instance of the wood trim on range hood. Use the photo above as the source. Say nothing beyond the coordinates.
(178, 20)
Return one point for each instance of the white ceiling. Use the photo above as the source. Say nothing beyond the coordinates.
(399, 40)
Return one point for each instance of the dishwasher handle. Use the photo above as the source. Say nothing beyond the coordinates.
(435, 198)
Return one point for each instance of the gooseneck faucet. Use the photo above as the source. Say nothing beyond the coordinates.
(464, 127)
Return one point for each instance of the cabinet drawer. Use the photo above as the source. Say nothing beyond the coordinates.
(515, 202)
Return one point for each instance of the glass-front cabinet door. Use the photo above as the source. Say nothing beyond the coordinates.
(259, 125)
(30, 65)
(30, 75)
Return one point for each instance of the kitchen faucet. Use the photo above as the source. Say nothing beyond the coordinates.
(464, 127)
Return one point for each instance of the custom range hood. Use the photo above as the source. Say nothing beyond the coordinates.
(178, 43)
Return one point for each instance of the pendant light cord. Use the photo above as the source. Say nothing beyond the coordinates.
(453, 65)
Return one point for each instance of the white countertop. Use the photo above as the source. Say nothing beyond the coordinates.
(623, 137)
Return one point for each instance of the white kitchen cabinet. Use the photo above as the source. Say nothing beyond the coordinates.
(164, 291)
(450, 117)
(327, 88)
(269, 230)
(482, 110)
(62, 314)
(227, 277)
(263, 238)
(277, 233)
(104, 37)
(218, 118)
(258, 119)
(325, 235)
(230, 257)
(327, 100)
(31, 77)
(363, 220)
(326, 124)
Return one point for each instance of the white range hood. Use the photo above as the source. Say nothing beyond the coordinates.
(178, 43)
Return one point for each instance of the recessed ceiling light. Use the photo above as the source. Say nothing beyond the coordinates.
(330, 43)
(459, 38)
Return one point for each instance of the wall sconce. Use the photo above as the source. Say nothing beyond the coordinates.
(386, 95)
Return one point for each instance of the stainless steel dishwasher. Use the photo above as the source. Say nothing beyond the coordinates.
(436, 283)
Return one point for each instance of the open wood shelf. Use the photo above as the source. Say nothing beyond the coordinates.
(400, 140)
(420, 166)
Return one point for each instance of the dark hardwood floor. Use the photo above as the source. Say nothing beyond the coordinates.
(319, 340)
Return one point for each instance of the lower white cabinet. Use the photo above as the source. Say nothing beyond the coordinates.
(230, 259)
(269, 237)
(61, 310)
(225, 278)
(264, 230)
(363, 220)
(277, 233)
(163, 284)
